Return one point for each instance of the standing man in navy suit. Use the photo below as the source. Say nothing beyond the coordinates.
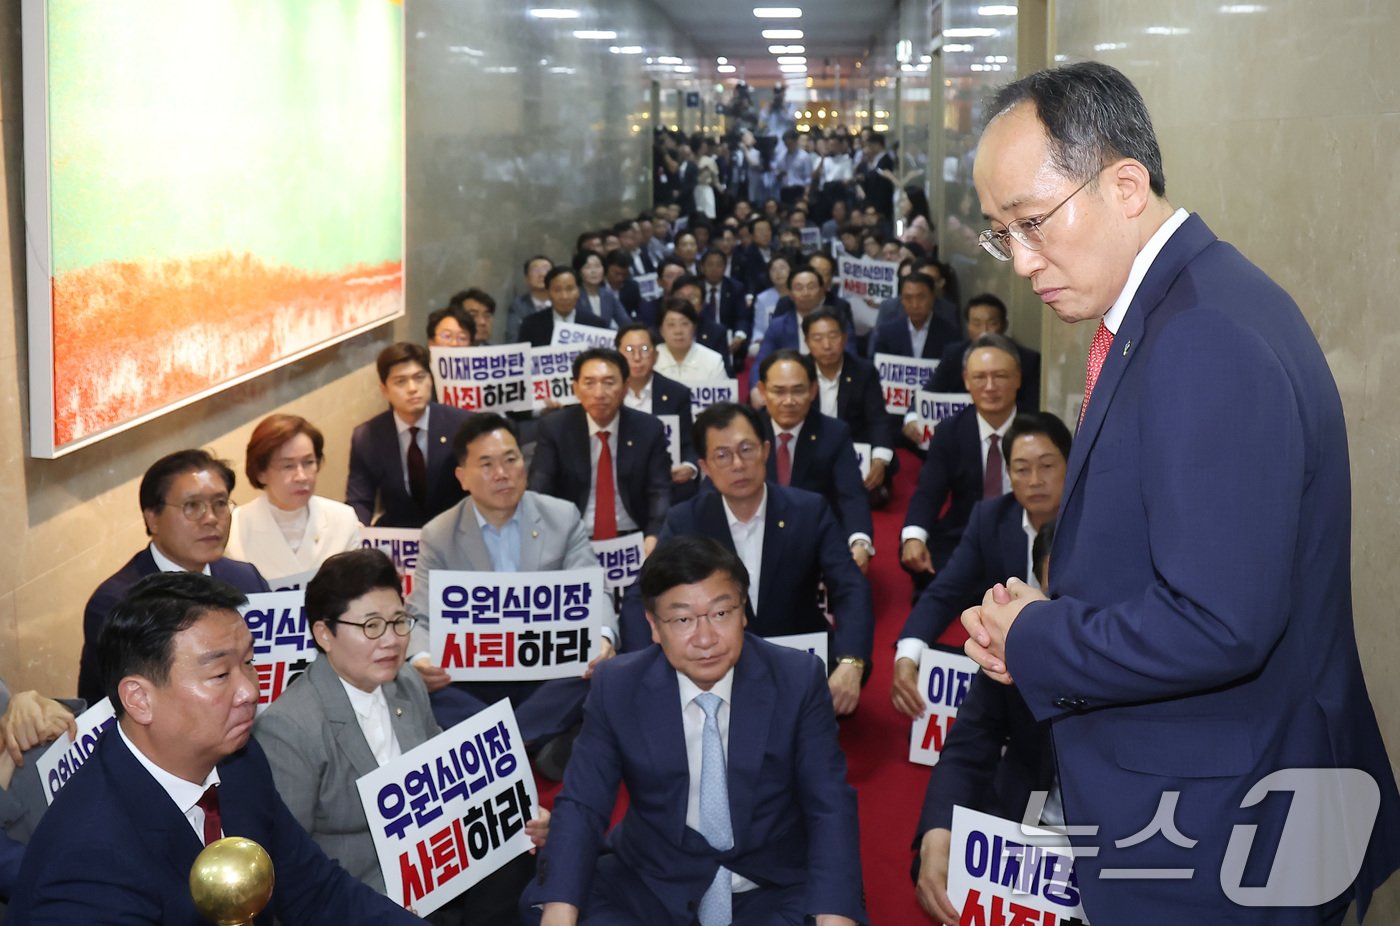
(184, 499)
(176, 773)
(739, 808)
(610, 461)
(1199, 651)
(995, 546)
(401, 459)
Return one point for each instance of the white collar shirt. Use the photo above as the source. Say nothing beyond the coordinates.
(748, 543)
(372, 713)
(166, 564)
(185, 794)
(1113, 319)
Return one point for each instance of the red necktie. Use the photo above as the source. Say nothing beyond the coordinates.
(991, 479)
(1098, 353)
(417, 471)
(784, 460)
(213, 821)
(604, 496)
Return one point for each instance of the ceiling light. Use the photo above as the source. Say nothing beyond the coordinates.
(955, 47)
(792, 59)
(968, 33)
(1243, 8)
(782, 33)
(554, 14)
(777, 12)
(925, 59)
(594, 34)
(787, 49)
(682, 69)
(1110, 46)
(667, 59)
(721, 60)
(793, 68)
(996, 11)
(1166, 30)
(726, 69)
(562, 70)
(626, 50)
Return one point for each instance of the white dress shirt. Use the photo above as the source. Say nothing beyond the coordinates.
(624, 521)
(918, 337)
(700, 365)
(1141, 264)
(748, 542)
(185, 794)
(638, 401)
(372, 713)
(693, 721)
(165, 564)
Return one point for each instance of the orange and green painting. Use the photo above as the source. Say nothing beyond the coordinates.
(225, 193)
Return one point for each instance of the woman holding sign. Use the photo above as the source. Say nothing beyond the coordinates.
(356, 708)
(289, 530)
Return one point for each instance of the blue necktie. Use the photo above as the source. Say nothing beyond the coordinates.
(716, 907)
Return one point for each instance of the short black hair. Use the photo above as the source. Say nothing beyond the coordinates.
(617, 258)
(582, 257)
(605, 354)
(402, 352)
(1092, 114)
(821, 314)
(635, 326)
(805, 268)
(685, 560)
(1045, 423)
(1040, 551)
(713, 252)
(544, 257)
(918, 278)
(679, 306)
(719, 416)
(138, 636)
(477, 425)
(344, 577)
(474, 295)
(584, 236)
(457, 314)
(995, 341)
(160, 474)
(988, 299)
(559, 271)
(689, 279)
(805, 361)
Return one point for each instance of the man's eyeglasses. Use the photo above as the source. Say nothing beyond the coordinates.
(746, 451)
(197, 508)
(374, 627)
(642, 349)
(1027, 231)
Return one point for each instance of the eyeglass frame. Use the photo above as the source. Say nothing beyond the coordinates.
(1015, 228)
(201, 507)
(408, 619)
(745, 451)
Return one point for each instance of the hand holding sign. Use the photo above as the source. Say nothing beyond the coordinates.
(31, 720)
(932, 886)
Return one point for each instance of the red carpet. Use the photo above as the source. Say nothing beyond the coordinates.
(876, 737)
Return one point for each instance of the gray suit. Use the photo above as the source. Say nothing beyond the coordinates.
(316, 749)
(552, 536)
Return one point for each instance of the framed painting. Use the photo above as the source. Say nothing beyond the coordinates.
(212, 190)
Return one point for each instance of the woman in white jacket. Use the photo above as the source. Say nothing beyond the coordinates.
(289, 530)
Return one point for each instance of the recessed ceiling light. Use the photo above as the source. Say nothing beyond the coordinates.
(667, 59)
(782, 33)
(793, 68)
(626, 50)
(968, 33)
(554, 14)
(721, 60)
(787, 49)
(996, 11)
(777, 12)
(726, 69)
(792, 59)
(594, 34)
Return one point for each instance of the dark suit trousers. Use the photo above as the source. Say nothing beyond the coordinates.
(542, 709)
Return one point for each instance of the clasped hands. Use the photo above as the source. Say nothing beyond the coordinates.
(989, 623)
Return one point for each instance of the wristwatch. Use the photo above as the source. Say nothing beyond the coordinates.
(852, 661)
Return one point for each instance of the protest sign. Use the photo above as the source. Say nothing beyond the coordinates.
(870, 281)
(672, 424)
(621, 559)
(451, 811)
(282, 644)
(703, 395)
(1002, 872)
(648, 287)
(489, 378)
(901, 378)
(814, 643)
(568, 334)
(516, 626)
(552, 375)
(933, 407)
(863, 459)
(943, 681)
(400, 544)
(291, 583)
(811, 238)
(64, 757)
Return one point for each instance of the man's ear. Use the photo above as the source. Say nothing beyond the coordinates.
(1131, 186)
(136, 693)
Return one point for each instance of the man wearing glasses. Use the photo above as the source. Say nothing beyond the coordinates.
(788, 540)
(739, 809)
(654, 394)
(1198, 639)
(185, 501)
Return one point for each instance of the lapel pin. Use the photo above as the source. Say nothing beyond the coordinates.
(782, 524)
(534, 534)
(1126, 346)
(442, 438)
(629, 443)
(398, 712)
(811, 437)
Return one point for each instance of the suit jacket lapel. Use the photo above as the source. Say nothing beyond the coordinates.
(400, 709)
(387, 439)
(1012, 541)
(470, 541)
(531, 532)
(340, 716)
(750, 715)
(153, 814)
(805, 447)
(1183, 246)
(775, 528)
(578, 450)
(658, 704)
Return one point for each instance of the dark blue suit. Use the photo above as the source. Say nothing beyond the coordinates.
(114, 848)
(893, 337)
(824, 461)
(794, 815)
(785, 331)
(735, 314)
(242, 576)
(948, 376)
(376, 469)
(1201, 635)
(562, 466)
(802, 546)
(994, 547)
(953, 467)
(669, 397)
(860, 402)
(538, 329)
